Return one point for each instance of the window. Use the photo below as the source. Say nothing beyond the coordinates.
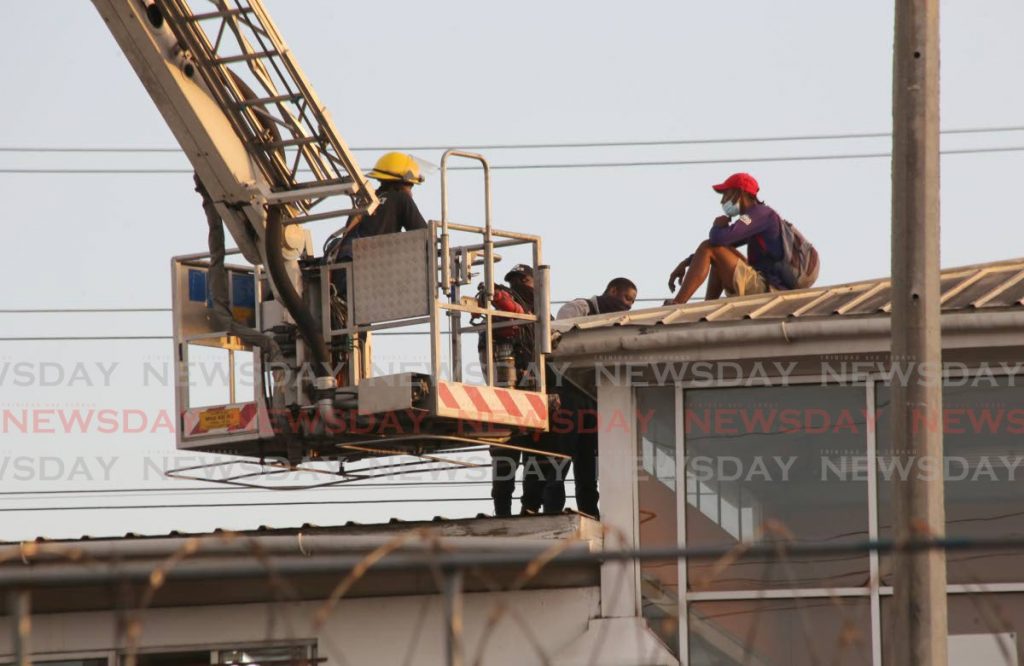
(983, 468)
(797, 632)
(193, 658)
(984, 628)
(95, 661)
(729, 505)
(256, 655)
(288, 655)
(776, 463)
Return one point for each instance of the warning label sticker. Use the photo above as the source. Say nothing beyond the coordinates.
(216, 419)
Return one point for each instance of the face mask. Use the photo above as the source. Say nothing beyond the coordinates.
(731, 208)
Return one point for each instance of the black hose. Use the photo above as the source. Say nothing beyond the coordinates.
(309, 328)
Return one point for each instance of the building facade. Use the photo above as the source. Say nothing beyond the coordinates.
(766, 419)
(475, 591)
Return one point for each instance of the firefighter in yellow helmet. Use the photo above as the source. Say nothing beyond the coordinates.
(397, 173)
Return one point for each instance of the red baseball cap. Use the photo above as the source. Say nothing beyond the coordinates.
(738, 181)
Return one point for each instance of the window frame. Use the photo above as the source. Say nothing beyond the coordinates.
(873, 589)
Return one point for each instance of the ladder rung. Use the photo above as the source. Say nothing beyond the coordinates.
(259, 55)
(302, 141)
(344, 180)
(314, 192)
(259, 101)
(305, 219)
(212, 15)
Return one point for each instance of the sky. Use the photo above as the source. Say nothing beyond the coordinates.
(452, 73)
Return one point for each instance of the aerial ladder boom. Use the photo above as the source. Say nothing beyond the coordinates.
(241, 110)
(262, 146)
(268, 159)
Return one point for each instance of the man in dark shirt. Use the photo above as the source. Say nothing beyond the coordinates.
(757, 226)
(618, 296)
(514, 345)
(397, 173)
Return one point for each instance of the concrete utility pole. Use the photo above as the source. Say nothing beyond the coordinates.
(919, 638)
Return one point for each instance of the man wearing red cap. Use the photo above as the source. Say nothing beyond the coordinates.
(757, 226)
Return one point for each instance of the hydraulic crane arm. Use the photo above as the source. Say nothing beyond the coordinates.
(241, 110)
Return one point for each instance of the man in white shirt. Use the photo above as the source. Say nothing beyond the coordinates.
(580, 409)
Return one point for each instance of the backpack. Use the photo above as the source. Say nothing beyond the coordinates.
(523, 338)
(798, 265)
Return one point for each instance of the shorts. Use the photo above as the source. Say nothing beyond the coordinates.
(748, 281)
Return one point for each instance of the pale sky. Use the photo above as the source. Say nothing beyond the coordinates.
(458, 74)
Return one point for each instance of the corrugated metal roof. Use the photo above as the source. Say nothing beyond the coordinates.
(218, 568)
(979, 287)
(480, 525)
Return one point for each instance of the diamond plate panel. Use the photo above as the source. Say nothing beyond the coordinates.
(391, 276)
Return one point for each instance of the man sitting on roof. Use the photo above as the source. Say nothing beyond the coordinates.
(757, 226)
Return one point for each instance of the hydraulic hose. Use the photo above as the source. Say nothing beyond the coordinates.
(219, 311)
(309, 328)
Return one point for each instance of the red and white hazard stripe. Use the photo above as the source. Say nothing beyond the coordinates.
(490, 404)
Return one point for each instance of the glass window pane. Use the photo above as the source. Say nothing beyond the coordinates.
(191, 658)
(787, 463)
(277, 655)
(282, 654)
(984, 628)
(795, 632)
(659, 581)
(983, 468)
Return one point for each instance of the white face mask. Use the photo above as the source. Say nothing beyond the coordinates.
(731, 208)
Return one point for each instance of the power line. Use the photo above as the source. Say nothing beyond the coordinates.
(533, 146)
(140, 491)
(730, 160)
(105, 338)
(205, 505)
(560, 166)
(130, 310)
(82, 310)
(85, 338)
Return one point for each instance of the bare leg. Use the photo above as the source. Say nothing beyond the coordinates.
(714, 287)
(709, 257)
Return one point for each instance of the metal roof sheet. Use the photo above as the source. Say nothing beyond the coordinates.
(979, 287)
(481, 525)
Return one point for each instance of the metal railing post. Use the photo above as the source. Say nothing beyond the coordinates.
(446, 275)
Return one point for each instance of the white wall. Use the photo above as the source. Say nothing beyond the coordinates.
(381, 630)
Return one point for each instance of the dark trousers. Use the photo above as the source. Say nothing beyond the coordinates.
(583, 450)
(504, 463)
(584, 467)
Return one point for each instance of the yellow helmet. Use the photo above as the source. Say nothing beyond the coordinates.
(397, 167)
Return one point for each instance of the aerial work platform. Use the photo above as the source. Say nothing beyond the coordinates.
(410, 281)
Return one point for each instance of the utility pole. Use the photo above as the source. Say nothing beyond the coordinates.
(919, 638)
